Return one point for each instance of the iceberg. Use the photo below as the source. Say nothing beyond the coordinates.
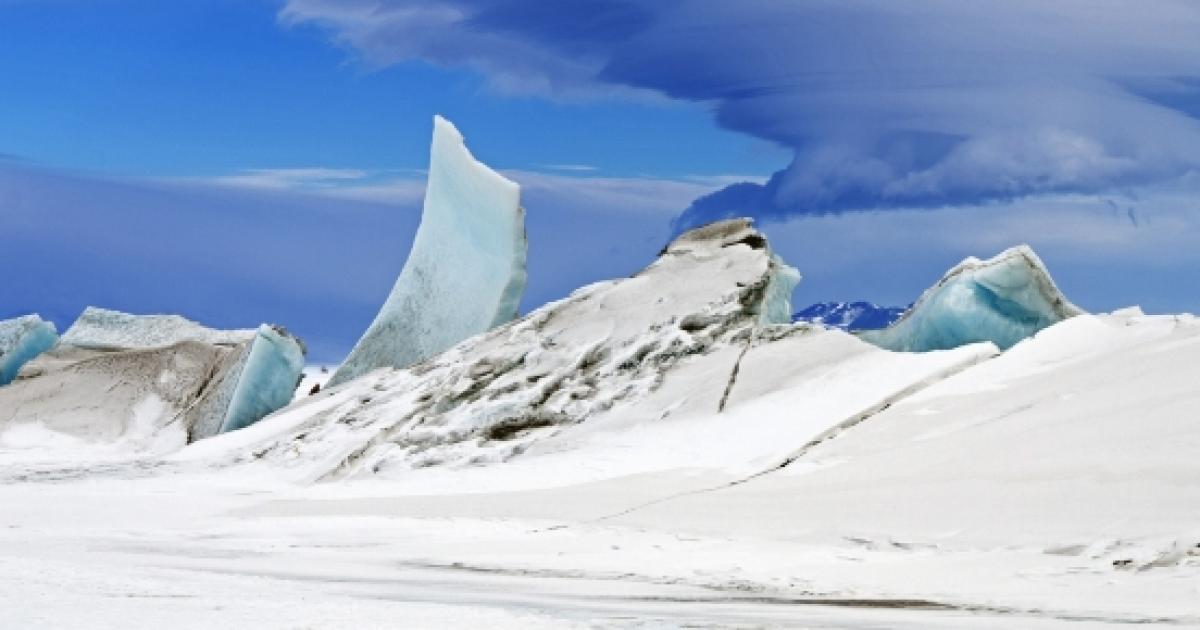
(1002, 300)
(21, 340)
(155, 382)
(465, 273)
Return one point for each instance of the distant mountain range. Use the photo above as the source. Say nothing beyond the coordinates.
(850, 315)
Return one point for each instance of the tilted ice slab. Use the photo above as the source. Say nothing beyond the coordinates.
(466, 271)
(21, 340)
(268, 378)
(153, 383)
(1002, 300)
(104, 329)
(660, 371)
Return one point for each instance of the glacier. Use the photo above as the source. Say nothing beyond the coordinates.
(21, 340)
(153, 382)
(465, 273)
(1001, 300)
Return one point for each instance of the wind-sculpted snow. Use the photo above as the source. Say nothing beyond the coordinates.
(1002, 300)
(466, 271)
(21, 340)
(152, 383)
(617, 358)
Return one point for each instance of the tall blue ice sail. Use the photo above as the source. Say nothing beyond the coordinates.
(466, 271)
(21, 340)
(1002, 300)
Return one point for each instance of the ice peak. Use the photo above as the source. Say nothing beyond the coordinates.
(465, 273)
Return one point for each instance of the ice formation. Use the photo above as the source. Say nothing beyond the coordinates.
(157, 381)
(21, 340)
(268, 379)
(104, 329)
(1002, 300)
(466, 271)
(696, 338)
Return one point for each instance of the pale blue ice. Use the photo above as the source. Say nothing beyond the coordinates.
(268, 379)
(465, 272)
(21, 340)
(1002, 300)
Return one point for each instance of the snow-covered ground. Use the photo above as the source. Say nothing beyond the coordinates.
(650, 452)
(1051, 486)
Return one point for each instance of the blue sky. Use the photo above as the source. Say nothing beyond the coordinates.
(207, 87)
(248, 160)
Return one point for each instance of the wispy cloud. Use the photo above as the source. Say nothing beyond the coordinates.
(354, 184)
(571, 168)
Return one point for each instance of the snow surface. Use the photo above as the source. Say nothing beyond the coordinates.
(21, 340)
(1002, 300)
(465, 273)
(649, 452)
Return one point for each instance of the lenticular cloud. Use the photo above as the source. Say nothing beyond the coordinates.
(903, 117)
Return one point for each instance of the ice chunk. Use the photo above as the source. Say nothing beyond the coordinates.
(777, 307)
(267, 380)
(153, 381)
(466, 271)
(1002, 300)
(21, 340)
(103, 329)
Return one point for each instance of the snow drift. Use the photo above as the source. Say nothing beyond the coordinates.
(466, 271)
(1002, 300)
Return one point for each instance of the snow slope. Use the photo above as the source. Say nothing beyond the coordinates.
(466, 271)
